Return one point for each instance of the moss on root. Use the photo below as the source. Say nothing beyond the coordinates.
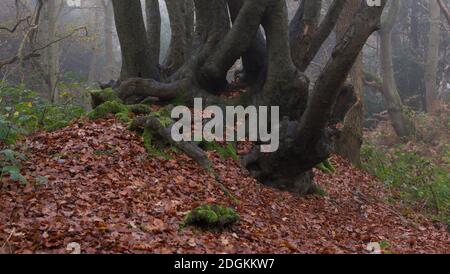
(139, 109)
(102, 96)
(164, 116)
(225, 152)
(109, 107)
(153, 149)
(124, 117)
(121, 111)
(211, 217)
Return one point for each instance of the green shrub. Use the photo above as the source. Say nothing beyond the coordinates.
(10, 165)
(23, 111)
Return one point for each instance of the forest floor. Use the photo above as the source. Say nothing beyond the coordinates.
(102, 192)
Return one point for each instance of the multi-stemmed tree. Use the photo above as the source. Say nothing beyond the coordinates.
(275, 55)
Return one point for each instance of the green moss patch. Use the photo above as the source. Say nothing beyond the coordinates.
(110, 107)
(211, 217)
(139, 109)
(106, 95)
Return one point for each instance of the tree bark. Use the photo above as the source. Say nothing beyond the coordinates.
(189, 20)
(136, 57)
(348, 143)
(50, 55)
(303, 26)
(402, 125)
(445, 10)
(108, 26)
(152, 11)
(254, 59)
(432, 57)
(237, 41)
(94, 66)
(305, 46)
(176, 54)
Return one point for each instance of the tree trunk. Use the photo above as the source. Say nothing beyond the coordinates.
(108, 25)
(432, 57)
(401, 123)
(305, 41)
(136, 56)
(176, 54)
(189, 20)
(348, 144)
(94, 67)
(153, 13)
(444, 10)
(50, 55)
(254, 59)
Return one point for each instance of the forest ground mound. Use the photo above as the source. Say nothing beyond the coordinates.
(98, 188)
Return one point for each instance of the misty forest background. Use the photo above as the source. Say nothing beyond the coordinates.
(57, 56)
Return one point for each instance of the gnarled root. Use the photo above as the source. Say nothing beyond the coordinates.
(136, 90)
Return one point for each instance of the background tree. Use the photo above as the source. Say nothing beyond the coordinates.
(432, 56)
(401, 123)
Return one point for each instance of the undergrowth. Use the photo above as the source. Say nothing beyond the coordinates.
(420, 182)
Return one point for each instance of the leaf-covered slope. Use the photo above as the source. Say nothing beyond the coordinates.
(104, 193)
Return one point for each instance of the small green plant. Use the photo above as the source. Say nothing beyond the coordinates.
(10, 165)
(23, 111)
(211, 217)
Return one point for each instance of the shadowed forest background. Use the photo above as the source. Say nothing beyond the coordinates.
(87, 164)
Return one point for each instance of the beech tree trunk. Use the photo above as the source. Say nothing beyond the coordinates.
(94, 67)
(50, 55)
(401, 123)
(432, 56)
(108, 70)
(349, 142)
(444, 10)
(176, 54)
(136, 56)
(153, 13)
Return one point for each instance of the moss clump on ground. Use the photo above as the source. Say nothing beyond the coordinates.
(121, 111)
(139, 109)
(110, 107)
(211, 217)
(57, 126)
(106, 95)
(124, 117)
